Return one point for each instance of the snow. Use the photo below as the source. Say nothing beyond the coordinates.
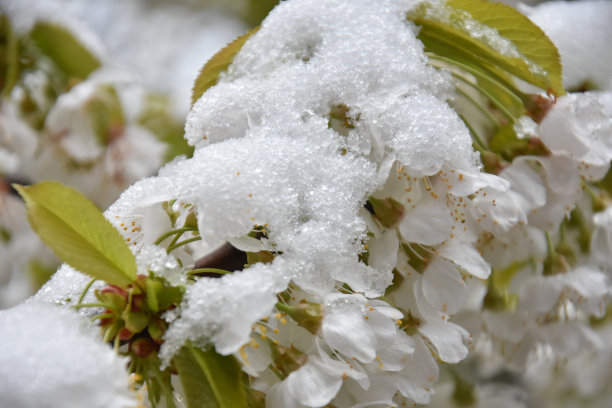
(52, 358)
(266, 155)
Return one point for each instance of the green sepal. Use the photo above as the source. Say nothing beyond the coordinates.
(209, 74)
(169, 296)
(307, 315)
(153, 289)
(156, 330)
(173, 215)
(114, 301)
(508, 145)
(191, 221)
(209, 380)
(64, 49)
(110, 332)
(259, 257)
(288, 359)
(505, 142)
(161, 296)
(75, 229)
(388, 211)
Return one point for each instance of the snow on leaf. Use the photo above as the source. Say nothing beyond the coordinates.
(488, 34)
(209, 75)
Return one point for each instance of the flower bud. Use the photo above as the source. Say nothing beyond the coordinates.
(142, 347)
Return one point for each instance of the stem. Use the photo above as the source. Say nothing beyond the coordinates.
(85, 290)
(170, 233)
(116, 344)
(102, 316)
(550, 247)
(185, 242)
(90, 305)
(174, 241)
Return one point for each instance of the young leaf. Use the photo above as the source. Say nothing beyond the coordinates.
(64, 49)
(75, 229)
(530, 40)
(209, 380)
(209, 74)
(506, 41)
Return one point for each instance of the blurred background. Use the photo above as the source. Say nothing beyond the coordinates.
(94, 95)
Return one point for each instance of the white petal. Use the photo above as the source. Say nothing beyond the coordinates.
(346, 330)
(416, 381)
(313, 384)
(399, 354)
(505, 325)
(383, 250)
(466, 256)
(539, 294)
(278, 396)
(570, 338)
(448, 340)
(443, 286)
(428, 223)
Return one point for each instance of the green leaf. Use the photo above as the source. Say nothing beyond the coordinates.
(75, 229)
(64, 49)
(209, 74)
(209, 380)
(521, 49)
(257, 10)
